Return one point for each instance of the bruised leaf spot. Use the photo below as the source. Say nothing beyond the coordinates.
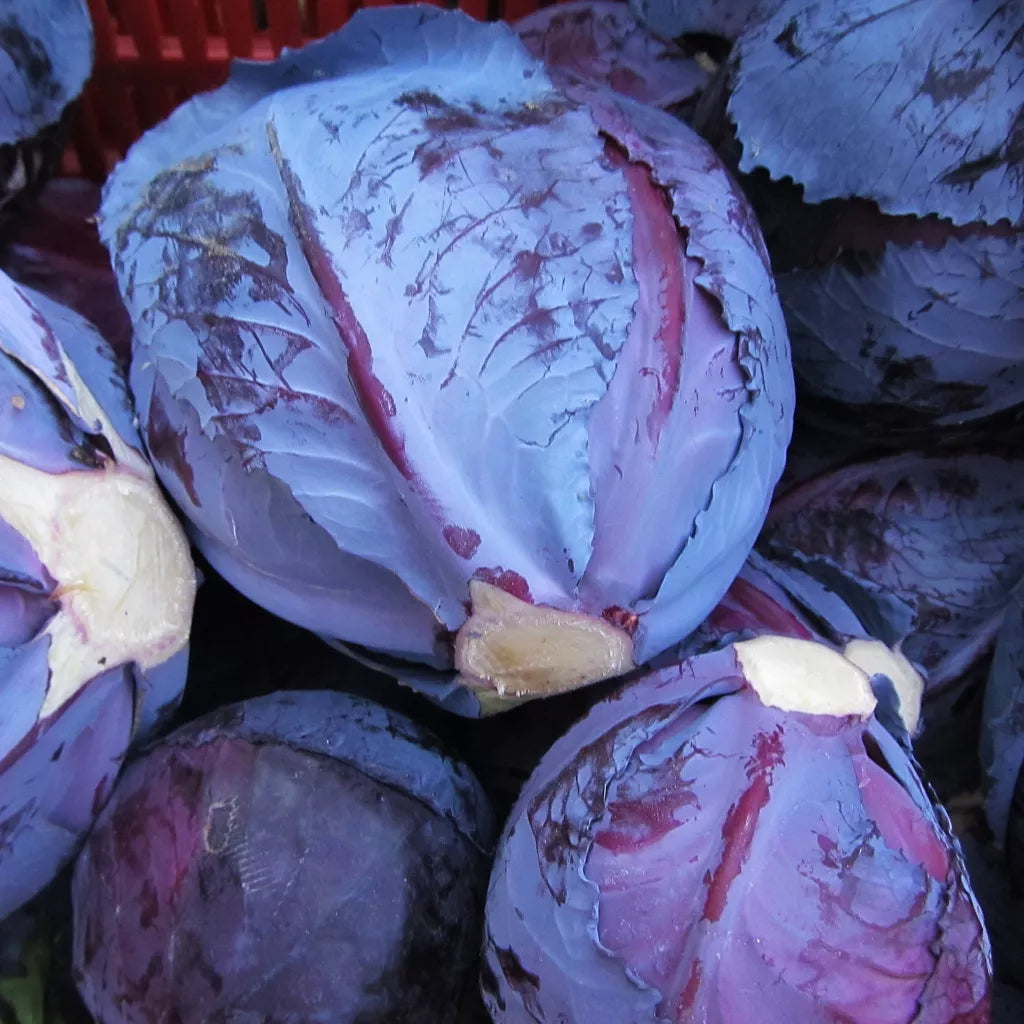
(971, 170)
(452, 120)
(489, 984)
(430, 157)
(528, 263)
(28, 54)
(149, 904)
(650, 816)
(421, 99)
(621, 617)
(167, 447)
(786, 40)
(958, 84)
(462, 541)
(958, 484)
(530, 115)
(525, 983)
(50, 346)
(897, 371)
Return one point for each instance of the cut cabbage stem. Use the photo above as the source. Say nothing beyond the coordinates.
(877, 659)
(509, 650)
(804, 675)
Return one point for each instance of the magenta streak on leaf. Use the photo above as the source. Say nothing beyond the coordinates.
(374, 399)
(741, 821)
(684, 1005)
(50, 346)
(462, 541)
(507, 580)
(639, 822)
(167, 447)
(900, 822)
(746, 607)
(658, 258)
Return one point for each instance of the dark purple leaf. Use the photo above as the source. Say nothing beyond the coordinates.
(915, 104)
(943, 534)
(603, 43)
(1002, 735)
(303, 856)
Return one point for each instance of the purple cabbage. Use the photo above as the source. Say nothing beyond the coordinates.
(305, 856)
(96, 587)
(930, 544)
(674, 18)
(893, 135)
(46, 53)
(733, 839)
(602, 42)
(401, 277)
(57, 251)
(917, 107)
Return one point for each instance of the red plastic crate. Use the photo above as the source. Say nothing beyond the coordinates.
(152, 55)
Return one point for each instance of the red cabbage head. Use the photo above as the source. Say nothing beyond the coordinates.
(733, 839)
(403, 276)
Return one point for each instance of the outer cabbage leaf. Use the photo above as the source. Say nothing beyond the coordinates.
(724, 240)
(335, 285)
(916, 105)
(923, 336)
(602, 42)
(45, 59)
(1002, 734)
(672, 18)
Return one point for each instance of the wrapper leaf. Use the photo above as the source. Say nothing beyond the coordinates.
(917, 107)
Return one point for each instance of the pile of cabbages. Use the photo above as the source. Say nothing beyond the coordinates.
(521, 523)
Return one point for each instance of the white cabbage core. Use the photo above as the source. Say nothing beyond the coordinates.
(509, 650)
(125, 580)
(876, 659)
(803, 675)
